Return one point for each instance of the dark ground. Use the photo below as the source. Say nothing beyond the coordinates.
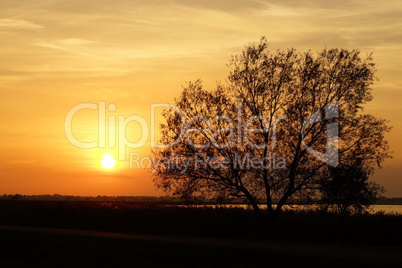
(29, 249)
(380, 234)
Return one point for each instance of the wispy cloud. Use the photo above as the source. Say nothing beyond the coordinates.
(72, 45)
(19, 24)
(75, 42)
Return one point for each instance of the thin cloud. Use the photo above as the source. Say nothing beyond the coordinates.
(75, 42)
(72, 45)
(19, 24)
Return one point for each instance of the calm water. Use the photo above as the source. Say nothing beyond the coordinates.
(388, 209)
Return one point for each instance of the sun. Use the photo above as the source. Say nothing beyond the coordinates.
(108, 161)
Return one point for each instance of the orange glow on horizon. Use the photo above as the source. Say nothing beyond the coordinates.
(132, 55)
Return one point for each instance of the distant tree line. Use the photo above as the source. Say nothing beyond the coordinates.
(161, 199)
(99, 198)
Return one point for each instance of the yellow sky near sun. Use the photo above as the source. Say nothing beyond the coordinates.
(56, 54)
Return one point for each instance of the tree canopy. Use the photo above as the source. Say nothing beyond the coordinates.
(275, 130)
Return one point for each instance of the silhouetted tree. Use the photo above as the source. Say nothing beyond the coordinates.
(348, 188)
(273, 130)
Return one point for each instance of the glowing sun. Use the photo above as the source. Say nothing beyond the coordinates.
(108, 161)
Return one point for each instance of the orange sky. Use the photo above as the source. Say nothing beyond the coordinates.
(56, 54)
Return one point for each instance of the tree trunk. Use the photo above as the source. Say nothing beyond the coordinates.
(256, 208)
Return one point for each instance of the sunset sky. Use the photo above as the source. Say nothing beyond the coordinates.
(56, 54)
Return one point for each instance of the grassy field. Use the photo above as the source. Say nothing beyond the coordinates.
(239, 223)
(25, 249)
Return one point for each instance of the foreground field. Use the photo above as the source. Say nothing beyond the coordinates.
(38, 247)
(303, 226)
(152, 235)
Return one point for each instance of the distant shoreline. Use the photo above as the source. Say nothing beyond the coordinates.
(157, 199)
